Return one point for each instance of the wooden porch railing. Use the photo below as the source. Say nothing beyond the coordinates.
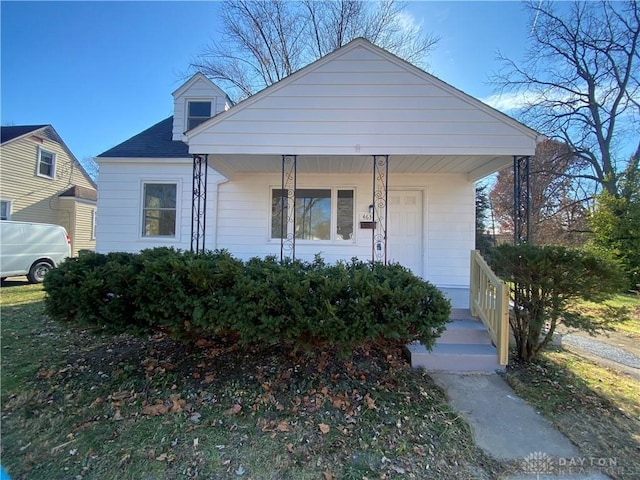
(489, 300)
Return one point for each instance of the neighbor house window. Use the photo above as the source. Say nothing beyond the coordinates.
(320, 214)
(5, 210)
(46, 164)
(159, 210)
(198, 112)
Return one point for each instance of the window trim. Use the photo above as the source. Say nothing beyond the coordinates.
(53, 165)
(94, 224)
(333, 240)
(9, 207)
(188, 101)
(159, 238)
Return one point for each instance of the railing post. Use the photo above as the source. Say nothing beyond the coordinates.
(504, 324)
(473, 284)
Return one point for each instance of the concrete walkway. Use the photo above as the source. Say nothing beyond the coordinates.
(509, 429)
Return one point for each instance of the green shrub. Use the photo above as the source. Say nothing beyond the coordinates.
(295, 303)
(63, 300)
(544, 280)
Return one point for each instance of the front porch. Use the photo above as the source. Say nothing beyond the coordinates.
(477, 338)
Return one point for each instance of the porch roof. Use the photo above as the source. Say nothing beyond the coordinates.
(474, 167)
(357, 102)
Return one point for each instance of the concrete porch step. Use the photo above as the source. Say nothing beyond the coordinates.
(455, 357)
(465, 331)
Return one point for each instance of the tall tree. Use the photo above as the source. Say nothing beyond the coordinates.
(263, 41)
(580, 82)
(615, 222)
(484, 240)
(557, 203)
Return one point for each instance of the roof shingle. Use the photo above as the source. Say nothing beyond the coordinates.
(154, 142)
(9, 133)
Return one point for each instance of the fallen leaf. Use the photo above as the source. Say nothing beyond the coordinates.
(157, 409)
(324, 428)
(290, 447)
(118, 416)
(328, 475)
(235, 410)
(283, 427)
(371, 403)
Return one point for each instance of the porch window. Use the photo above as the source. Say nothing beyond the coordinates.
(321, 214)
(198, 113)
(159, 210)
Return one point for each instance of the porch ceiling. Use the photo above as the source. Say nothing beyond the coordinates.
(474, 166)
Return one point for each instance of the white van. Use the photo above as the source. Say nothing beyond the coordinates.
(31, 249)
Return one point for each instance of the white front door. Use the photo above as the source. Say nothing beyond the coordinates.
(404, 229)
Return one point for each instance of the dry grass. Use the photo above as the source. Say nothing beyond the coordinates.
(597, 408)
(76, 405)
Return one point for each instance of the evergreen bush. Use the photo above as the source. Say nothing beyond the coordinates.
(263, 300)
(544, 280)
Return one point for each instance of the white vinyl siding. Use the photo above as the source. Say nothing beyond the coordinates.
(119, 209)
(244, 223)
(360, 101)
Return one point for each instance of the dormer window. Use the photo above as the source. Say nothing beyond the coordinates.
(198, 112)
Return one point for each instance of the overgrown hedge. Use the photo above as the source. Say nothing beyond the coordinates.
(296, 303)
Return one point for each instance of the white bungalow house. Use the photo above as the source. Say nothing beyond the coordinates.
(359, 154)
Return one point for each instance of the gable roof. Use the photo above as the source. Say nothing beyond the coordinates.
(16, 132)
(154, 142)
(362, 43)
(10, 133)
(199, 76)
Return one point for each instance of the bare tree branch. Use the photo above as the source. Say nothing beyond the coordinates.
(264, 41)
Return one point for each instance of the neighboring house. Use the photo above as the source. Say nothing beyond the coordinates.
(41, 181)
(291, 169)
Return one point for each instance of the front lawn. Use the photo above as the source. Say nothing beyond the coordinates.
(597, 408)
(80, 405)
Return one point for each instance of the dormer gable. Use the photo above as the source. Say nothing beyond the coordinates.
(197, 100)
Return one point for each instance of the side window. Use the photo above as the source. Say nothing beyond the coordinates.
(5, 210)
(46, 164)
(197, 113)
(159, 209)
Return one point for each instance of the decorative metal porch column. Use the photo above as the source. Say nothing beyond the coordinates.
(521, 200)
(288, 207)
(199, 202)
(379, 207)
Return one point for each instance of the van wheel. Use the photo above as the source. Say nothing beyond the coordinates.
(38, 271)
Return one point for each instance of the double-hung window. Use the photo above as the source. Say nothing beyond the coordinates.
(159, 209)
(321, 214)
(5, 210)
(197, 113)
(46, 164)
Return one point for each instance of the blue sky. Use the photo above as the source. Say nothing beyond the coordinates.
(101, 72)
